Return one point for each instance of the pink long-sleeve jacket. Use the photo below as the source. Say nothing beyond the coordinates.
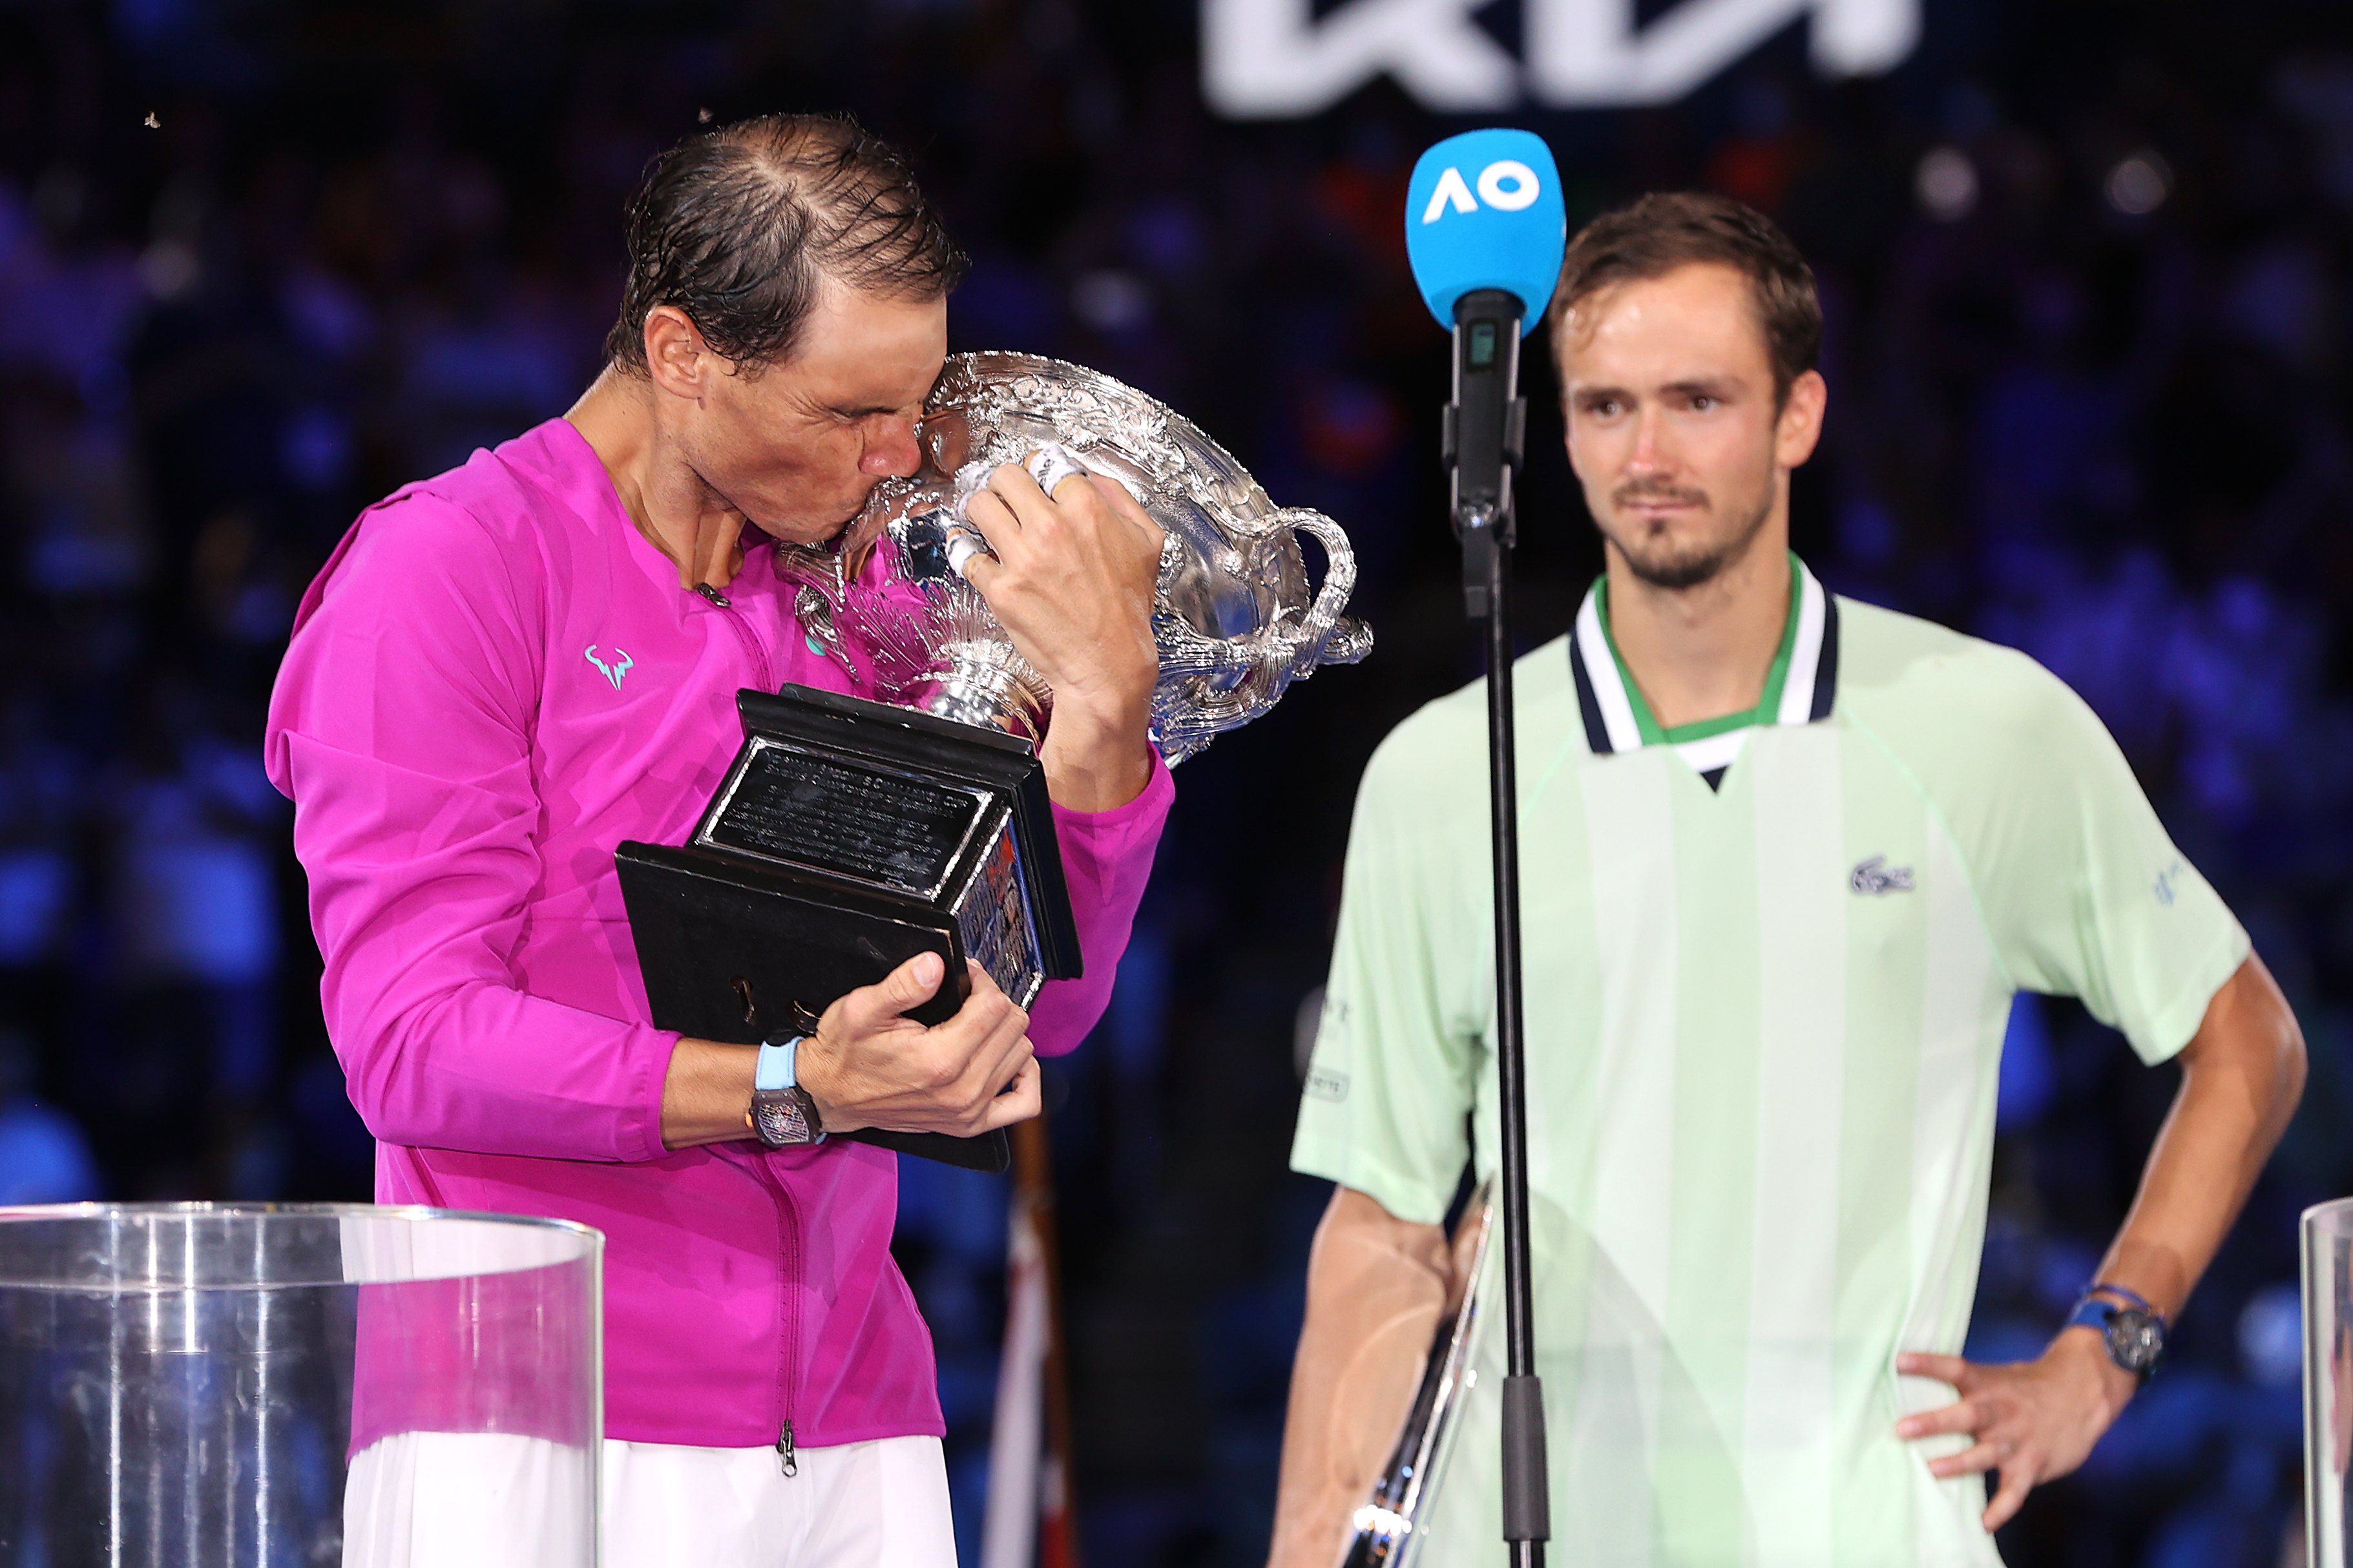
(494, 680)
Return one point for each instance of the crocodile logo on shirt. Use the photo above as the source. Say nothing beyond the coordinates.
(1876, 877)
(622, 664)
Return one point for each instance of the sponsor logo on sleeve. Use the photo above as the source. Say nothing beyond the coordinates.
(1323, 1083)
(1876, 877)
(2168, 881)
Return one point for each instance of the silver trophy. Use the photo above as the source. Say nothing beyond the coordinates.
(1235, 619)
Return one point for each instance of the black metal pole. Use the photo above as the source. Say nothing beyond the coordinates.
(1486, 331)
(1526, 1511)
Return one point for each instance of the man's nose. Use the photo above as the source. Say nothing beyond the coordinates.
(1651, 454)
(891, 450)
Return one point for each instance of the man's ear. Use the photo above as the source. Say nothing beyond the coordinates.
(676, 356)
(1800, 424)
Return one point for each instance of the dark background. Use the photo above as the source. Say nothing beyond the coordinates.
(2087, 269)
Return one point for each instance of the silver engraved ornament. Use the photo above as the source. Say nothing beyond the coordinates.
(1234, 618)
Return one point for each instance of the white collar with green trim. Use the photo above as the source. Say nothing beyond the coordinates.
(1808, 690)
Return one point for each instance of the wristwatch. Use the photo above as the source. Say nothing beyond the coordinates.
(2134, 1331)
(782, 1112)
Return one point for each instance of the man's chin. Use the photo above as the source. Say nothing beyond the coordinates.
(1676, 574)
(1656, 556)
(1668, 557)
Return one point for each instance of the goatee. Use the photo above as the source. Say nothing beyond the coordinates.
(1676, 570)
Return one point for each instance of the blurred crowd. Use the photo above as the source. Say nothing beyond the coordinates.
(2088, 270)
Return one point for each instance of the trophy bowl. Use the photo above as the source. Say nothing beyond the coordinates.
(1236, 618)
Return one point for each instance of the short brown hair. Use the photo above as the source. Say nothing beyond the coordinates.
(734, 227)
(1668, 229)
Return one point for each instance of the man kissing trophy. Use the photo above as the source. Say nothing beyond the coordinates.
(853, 832)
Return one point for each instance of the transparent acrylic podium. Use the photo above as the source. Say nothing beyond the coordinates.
(251, 1386)
(2327, 1378)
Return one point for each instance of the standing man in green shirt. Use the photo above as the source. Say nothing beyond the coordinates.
(1785, 858)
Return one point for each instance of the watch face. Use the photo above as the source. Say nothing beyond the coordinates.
(783, 1118)
(2134, 1339)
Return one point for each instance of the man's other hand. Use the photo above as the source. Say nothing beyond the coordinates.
(2035, 1421)
(1073, 582)
(1376, 1288)
(870, 1066)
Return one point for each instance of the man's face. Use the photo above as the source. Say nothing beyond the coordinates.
(1671, 424)
(798, 447)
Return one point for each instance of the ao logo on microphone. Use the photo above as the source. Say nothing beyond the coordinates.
(1506, 185)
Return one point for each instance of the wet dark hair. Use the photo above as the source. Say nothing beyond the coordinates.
(1668, 229)
(734, 226)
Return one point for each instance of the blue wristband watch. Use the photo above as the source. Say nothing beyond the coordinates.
(783, 1113)
(2130, 1326)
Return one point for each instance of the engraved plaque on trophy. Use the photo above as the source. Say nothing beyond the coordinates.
(846, 837)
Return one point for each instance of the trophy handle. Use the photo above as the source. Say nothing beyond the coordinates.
(1209, 685)
(1333, 638)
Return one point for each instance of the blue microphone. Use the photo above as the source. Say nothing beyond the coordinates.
(1483, 211)
(1485, 228)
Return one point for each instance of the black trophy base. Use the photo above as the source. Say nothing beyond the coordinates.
(728, 958)
(847, 837)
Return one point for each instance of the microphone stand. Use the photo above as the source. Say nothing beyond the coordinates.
(1486, 427)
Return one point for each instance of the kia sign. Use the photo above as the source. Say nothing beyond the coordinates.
(1277, 60)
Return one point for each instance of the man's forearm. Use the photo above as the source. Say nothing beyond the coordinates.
(707, 1093)
(2242, 1075)
(1376, 1287)
(2035, 1421)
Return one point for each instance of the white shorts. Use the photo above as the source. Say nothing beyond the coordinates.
(445, 1500)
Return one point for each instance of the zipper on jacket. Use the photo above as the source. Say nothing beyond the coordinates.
(788, 1229)
(735, 618)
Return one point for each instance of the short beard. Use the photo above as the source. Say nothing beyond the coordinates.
(1676, 572)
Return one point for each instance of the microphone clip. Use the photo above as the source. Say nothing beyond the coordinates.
(1482, 530)
(1484, 435)
(1515, 435)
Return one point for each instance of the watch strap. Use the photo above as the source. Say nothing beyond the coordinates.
(2129, 1297)
(778, 1064)
(783, 1115)
(2091, 1312)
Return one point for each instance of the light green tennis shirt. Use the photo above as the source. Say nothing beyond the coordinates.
(1768, 966)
